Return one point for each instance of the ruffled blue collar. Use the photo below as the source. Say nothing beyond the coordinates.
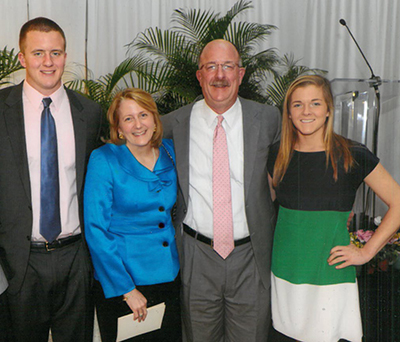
(157, 179)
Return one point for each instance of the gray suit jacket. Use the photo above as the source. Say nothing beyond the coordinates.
(15, 192)
(261, 128)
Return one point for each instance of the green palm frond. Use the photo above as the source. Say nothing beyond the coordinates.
(96, 90)
(99, 90)
(262, 64)
(278, 88)
(158, 43)
(200, 27)
(247, 36)
(168, 101)
(193, 24)
(9, 64)
(221, 26)
(130, 66)
(132, 72)
(238, 7)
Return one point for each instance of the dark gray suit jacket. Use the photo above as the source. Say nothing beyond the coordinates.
(261, 128)
(15, 192)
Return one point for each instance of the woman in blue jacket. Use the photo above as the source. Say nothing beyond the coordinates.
(129, 194)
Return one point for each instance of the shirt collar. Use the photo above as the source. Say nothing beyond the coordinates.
(210, 117)
(35, 97)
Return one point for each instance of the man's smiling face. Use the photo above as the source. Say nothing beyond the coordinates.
(220, 87)
(44, 58)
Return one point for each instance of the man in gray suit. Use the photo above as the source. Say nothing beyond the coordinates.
(226, 293)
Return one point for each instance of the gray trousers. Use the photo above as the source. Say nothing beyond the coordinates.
(222, 300)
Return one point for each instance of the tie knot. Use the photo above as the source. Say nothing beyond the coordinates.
(220, 119)
(46, 102)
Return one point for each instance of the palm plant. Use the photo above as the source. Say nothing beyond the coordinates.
(172, 55)
(9, 64)
(164, 63)
(289, 71)
(132, 72)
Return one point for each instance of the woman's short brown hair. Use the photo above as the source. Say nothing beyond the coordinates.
(144, 100)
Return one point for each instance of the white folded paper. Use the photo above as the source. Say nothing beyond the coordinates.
(128, 328)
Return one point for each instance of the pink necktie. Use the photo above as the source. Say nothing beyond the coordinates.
(222, 199)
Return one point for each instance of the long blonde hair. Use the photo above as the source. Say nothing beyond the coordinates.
(336, 146)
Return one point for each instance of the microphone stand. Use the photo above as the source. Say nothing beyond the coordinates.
(376, 81)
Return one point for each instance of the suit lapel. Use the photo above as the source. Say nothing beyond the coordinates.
(181, 141)
(79, 123)
(14, 118)
(251, 131)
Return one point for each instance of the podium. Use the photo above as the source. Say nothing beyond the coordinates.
(358, 116)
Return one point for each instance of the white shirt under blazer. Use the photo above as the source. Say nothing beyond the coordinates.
(200, 206)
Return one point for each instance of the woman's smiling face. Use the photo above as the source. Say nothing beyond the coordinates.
(136, 124)
(308, 111)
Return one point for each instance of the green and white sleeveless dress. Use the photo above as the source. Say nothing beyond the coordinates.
(312, 301)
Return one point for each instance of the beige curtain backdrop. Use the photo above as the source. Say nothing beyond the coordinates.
(310, 29)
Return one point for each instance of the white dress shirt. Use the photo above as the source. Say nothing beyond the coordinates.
(61, 111)
(203, 121)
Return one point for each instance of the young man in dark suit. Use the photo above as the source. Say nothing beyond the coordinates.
(47, 133)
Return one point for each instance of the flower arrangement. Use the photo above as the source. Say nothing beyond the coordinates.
(386, 256)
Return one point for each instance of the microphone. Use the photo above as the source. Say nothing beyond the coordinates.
(375, 84)
(376, 78)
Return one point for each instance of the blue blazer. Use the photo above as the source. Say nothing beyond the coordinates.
(128, 223)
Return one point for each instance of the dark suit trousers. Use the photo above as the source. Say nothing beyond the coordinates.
(5, 323)
(108, 310)
(56, 295)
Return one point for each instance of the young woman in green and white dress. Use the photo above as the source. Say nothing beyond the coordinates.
(314, 174)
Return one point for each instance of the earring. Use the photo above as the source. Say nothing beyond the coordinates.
(120, 135)
(155, 128)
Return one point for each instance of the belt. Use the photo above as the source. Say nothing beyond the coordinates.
(50, 246)
(208, 241)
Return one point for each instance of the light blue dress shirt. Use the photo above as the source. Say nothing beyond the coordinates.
(128, 224)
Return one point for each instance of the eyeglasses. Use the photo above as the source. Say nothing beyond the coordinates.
(212, 67)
